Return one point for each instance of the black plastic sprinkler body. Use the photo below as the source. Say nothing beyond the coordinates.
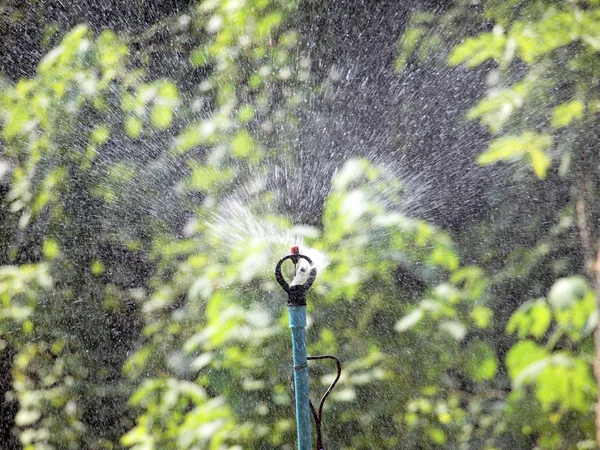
(297, 313)
(296, 294)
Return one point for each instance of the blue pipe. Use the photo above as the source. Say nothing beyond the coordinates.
(298, 326)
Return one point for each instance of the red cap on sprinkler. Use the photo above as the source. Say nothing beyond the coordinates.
(295, 250)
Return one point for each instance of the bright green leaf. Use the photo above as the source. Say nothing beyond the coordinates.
(242, 144)
(473, 51)
(566, 113)
(133, 127)
(523, 354)
(514, 146)
(161, 116)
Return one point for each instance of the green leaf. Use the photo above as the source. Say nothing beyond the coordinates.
(267, 25)
(100, 134)
(532, 319)
(473, 51)
(523, 354)
(567, 112)
(565, 292)
(51, 248)
(445, 257)
(539, 161)
(200, 56)
(195, 135)
(133, 127)
(559, 379)
(408, 43)
(97, 267)
(242, 144)
(481, 361)
(574, 305)
(514, 146)
(110, 50)
(535, 39)
(495, 110)
(161, 116)
(168, 91)
(138, 435)
(437, 435)
(205, 177)
(482, 316)
(16, 119)
(245, 113)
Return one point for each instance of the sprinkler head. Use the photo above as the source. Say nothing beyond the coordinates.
(306, 275)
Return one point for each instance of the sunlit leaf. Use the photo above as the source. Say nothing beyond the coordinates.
(161, 116)
(557, 29)
(499, 105)
(566, 291)
(409, 321)
(27, 417)
(407, 45)
(133, 127)
(574, 305)
(514, 146)
(205, 178)
(51, 248)
(474, 51)
(100, 134)
(523, 354)
(567, 112)
(242, 144)
(482, 316)
(532, 319)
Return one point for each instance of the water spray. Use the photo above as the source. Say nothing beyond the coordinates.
(304, 275)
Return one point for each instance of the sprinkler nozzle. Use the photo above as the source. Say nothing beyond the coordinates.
(294, 252)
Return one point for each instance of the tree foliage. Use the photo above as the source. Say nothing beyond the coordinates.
(540, 108)
(142, 216)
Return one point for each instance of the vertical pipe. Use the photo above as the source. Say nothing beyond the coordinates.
(298, 326)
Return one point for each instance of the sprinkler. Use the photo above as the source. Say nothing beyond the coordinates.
(304, 276)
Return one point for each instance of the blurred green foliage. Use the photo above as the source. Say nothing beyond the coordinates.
(558, 45)
(121, 332)
(540, 107)
(230, 333)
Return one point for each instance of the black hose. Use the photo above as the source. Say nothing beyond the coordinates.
(318, 414)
